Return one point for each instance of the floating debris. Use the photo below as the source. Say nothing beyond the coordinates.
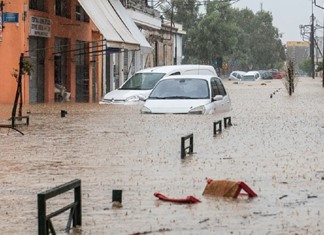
(203, 221)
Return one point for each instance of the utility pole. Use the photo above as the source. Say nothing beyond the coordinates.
(322, 45)
(312, 45)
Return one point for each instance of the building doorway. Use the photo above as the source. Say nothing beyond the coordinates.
(82, 71)
(60, 68)
(37, 77)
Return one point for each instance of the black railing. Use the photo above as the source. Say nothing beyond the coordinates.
(217, 127)
(44, 221)
(183, 145)
(227, 122)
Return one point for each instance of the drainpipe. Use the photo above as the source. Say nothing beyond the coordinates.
(111, 75)
(104, 71)
(121, 68)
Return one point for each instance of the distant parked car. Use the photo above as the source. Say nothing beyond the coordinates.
(278, 75)
(188, 94)
(265, 74)
(251, 76)
(236, 75)
(139, 86)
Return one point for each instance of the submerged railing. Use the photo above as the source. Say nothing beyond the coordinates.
(44, 221)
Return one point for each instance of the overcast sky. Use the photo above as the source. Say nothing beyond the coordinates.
(288, 15)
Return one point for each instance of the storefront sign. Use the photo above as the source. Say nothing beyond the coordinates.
(9, 17)
(40, 27)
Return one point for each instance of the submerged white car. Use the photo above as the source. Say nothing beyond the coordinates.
(236, 75)
(138, 87)
(188, 94)
(251, 76)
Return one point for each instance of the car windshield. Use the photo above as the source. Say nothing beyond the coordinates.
(142, 81)
(248, 78)
(181, 89)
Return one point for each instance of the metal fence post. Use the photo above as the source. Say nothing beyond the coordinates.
(219, 124)
(227, 122)
(77, 198)
(183, 147)
(42, 227)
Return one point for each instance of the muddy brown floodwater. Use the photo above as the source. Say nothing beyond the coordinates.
(275, 146)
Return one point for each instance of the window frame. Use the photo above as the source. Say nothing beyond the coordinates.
(38, 5)
(217, 87)
(62, 8)
(80, 14)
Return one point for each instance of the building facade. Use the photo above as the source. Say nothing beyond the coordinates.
(56, 37)
(298, 52)
(80, 49)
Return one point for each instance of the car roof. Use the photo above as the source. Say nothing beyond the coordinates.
(251, 73)
(190, 76)
(171, 68)
(238, 71)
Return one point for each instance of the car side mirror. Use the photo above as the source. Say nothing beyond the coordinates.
(218, 97)
(142, 98)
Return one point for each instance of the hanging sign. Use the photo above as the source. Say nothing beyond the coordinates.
(40, 27)
(10, 17)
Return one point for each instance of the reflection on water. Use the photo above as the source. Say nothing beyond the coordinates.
(275, 146)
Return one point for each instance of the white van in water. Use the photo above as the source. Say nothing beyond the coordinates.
(138, 87)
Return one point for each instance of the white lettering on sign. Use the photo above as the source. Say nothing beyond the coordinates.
(40, 27)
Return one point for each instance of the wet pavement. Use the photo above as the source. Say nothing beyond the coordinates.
(275, 146)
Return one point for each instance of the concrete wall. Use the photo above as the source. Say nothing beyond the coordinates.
(13, 43)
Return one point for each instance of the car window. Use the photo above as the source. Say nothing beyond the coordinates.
(175, 73)
(142, 81)
(220, 87)
(214, 87)
(248, 77)
(217, 87)
(181, 89)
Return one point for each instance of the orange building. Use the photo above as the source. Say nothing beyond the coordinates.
(80, 49)
(58, 39)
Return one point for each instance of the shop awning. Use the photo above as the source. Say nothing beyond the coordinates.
(108, 21)
(130, 24)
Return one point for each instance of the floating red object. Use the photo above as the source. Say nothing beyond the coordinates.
(188, 199)
(226, 188)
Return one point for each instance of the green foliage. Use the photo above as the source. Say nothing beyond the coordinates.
(27, 68)
(242, 38)
(306, 66)
(319, 66)
(184, 12)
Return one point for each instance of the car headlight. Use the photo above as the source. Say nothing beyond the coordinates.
(198, 110)
(104, 102)
(133, 98)
(145, 110)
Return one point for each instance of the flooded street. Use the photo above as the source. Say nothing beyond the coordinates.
(275, 146)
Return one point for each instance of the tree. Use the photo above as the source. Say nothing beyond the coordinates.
(184, 12)
(267, 49)
(215, 35)
(319, 66)
(239, 37)
(306, 66)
